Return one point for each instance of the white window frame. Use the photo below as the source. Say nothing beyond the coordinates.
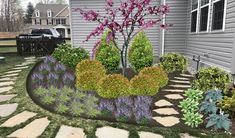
(224, 17)
(197, 22)
(37, 13)
(208, 18)
(49, 13)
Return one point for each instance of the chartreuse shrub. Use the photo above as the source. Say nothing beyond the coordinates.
(157, 73)
(108, 54)
(144, 85)
(172, 62)
(70, 56)
(113, 86)
(228, 103)
(190, 107)
(209, 107)
(141, 52)
(88, 74)
(212, 77)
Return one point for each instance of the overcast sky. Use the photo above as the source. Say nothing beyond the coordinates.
(24, 3)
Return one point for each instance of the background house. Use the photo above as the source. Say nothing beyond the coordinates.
(52, 16)
(203, 28)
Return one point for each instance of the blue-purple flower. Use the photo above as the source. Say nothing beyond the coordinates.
(52, 78)
(37, 78)
(59, 68)
(50, 60)
(124, 108)
(68, 79)
(44, 68)
(106, 107)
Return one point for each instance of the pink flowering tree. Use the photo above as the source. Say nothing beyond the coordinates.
(133, 14)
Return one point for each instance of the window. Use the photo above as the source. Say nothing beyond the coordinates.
(37, 12)
(49, 13)
(57, 21)
(63, 21)
(204, 15)
(218, 16)
(194, 15)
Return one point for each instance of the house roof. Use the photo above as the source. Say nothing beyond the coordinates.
(55, 9)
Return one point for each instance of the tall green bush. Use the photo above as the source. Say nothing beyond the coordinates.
(172, 62)
(108, 54)
(141, 52)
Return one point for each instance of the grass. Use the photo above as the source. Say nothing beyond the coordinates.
(10, 61)
(7, 42)
(89, 126)
(7, 49)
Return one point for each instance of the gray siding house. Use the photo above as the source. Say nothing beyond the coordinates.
(204, 28)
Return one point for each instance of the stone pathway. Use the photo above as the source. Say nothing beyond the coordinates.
(165, 109)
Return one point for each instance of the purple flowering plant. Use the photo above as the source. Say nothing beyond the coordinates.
(44, 68)
(68, 79)
(50, 60)
(124, 107)
(59, 68)
(106, 107)
(37, 79)
(52, 78)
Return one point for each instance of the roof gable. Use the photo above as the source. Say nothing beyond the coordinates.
(55, 9)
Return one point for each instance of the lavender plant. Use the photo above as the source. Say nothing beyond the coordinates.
(68, 79)
(106, 107)
(59, 68)
(37, 79)
(51, 61)
(124, 109)
(52, 79)
(44, 68)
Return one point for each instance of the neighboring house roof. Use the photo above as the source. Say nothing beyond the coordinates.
(55, 9)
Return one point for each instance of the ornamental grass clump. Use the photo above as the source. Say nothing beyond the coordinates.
(158, 75)
(113, 86)
(172, 62)
(88, 74)
(144, 85)
(141, 52)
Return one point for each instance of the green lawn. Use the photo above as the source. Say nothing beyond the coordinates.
(7, 42)
(7, 49)
(10, 61)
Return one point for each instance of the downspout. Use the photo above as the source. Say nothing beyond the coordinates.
(70, 22)
(233, 58)
(163, 32)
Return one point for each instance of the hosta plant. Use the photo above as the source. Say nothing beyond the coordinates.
(215, 95)
(194, 94)
(192, 119)
(208, 107)
(219, 121)
(189, 105)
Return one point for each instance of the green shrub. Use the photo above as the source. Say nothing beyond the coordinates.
(212, 77)
(141, 52)
(172, 62)
(144, 85)
(70, 56)
(113, 86)
(228, 105)
(158, 74)
(108, 54)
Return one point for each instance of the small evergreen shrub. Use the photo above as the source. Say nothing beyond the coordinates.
(113, 86)
(228, 105)
(144, 85)
(108, 54)
(141, 52)
(70, 56)
(157, 73)
(209, 78)
(172, 62)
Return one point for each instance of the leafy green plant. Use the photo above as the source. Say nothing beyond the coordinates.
(157, 73)
(90, 107)
(48, 99)
(219, 121)
(76, 108)
(192, 119)
(108, 54)
(215, 95)
(141, 52)
(189, 105)
(208, 107)
(53, 91)
(70, 56)
(194, 94)
(228, 105)
(113, 86)
(40, 91)
(172, 62)
(61, 108)
(211, 77)
(144, 85)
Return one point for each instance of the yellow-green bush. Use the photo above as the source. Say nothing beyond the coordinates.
(144, 85)
(158, 74)
(88, 74)
(113, 86)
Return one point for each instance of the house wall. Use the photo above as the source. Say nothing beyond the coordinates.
(81, 28)
(175, 36)
(215, 48)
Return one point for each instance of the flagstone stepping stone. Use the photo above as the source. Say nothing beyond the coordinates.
(173, 90)
(167, 121)
(180, 81)
(181, 78)
(24, 67)
(149, 135)
(174, 96)
(162, 103)
(8, 79)
(110, 132)
(186, 135)
(70, 132)
(181, 86)
(28, 58)
(5, 89)
(4, 98)
(166, 111)
(14, 71)
(32, 130)
(186, 75)
(18, 119)
(7, 109)
(10, 75)
(6, 83)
